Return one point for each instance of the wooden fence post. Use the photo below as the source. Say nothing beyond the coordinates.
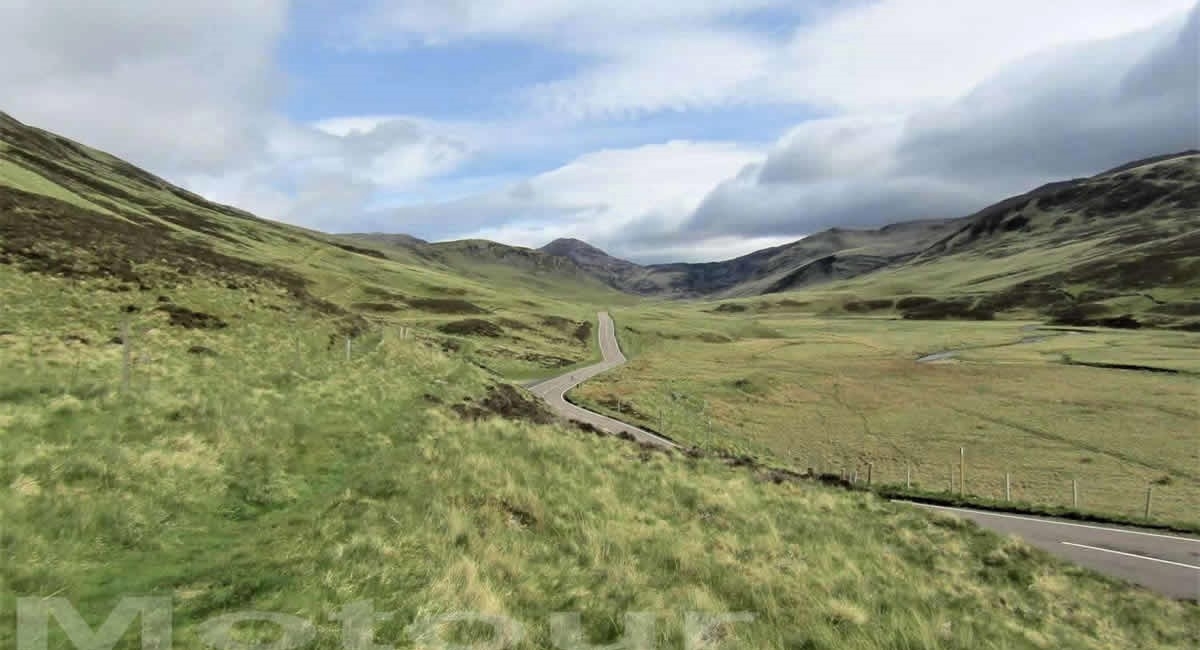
(1007, 486)
(1074, 493)
(1149, 493)
(347, 348)
(870, 473)
(962, 470)
(126, 356)
(908, 476)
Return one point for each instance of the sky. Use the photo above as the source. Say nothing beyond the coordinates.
(660, 130)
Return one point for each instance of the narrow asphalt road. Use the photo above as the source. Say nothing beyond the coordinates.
(554, 390)
(1167, 564)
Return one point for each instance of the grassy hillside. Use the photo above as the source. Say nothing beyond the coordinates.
(73, 212)
(179, 416)
(1085, 252)
(501, 265)
(251, 467)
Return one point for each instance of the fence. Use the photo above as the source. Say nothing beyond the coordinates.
(958, 479)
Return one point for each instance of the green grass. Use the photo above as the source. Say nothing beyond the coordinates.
(278, 476)
(837, 394)
(254, 467)
(22, 178)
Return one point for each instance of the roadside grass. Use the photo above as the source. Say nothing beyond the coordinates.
(278, 476)
(838, 394)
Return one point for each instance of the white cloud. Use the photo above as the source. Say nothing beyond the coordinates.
(326, 175)
(406, 22)
(667, 71)
(1067, 112)
(603, 197)
(645, 56)
(899, 55)
(177, 85)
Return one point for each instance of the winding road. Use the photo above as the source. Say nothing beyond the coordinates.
(554, 390)
(1167, 564)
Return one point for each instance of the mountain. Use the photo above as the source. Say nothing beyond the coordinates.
(833, 254)
(1101, 249)
(1121, 247)
(591, 258)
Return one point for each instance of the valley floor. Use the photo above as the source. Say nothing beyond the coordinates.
(848, 396)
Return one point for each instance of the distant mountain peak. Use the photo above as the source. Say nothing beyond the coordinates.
(570, 244)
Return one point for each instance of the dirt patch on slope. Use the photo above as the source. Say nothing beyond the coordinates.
(509, 402)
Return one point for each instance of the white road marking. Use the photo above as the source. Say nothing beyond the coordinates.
(1133, 555)
(1049, 521)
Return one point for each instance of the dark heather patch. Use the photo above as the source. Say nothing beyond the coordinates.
(545, 360)
(863, 306)
(379, 292)
(40, 234)
(189, 319)
(377, 307)
(956, 309)
(472, 327)
(583, 333)
(446, 306)
(506, 401)
(513, 324)
(369, 252)
(1178, 308)
(1040, 295)
(731, 308)
(914, 302)
(200, 350)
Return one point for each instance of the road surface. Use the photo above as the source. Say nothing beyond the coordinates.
(1168, 564)
(555, 390)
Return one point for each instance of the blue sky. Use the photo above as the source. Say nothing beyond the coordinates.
(660, 130)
